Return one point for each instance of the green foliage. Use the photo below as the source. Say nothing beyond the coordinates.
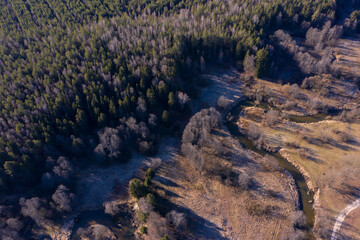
(142, 216)
(165, 117)
(137, 188)
(171, 100)
(262, 62)
(143, 230)
(150, 173)
(99, 74)
(150, 198)
(354, 15)
(147, 181)
(11, 167)
(165, 237)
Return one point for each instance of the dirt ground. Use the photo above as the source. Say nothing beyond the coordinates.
(219, 211)
(348, 56)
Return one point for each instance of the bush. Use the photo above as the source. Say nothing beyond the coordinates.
(178, 220)
(137, 188)
(223, 103)
(144, 206)
(271, 118)
(63, 199)
(165, 237)
(150, 173)
(147, 181)
(150, 198)
(298, 219)
(157, 226)
(254, 132)
(244, 181)
(345, 137)
(142, 216)
(111, 208)
(256, 209)
(35, 208)
(271, 164)
(303, 153)
(143, 230)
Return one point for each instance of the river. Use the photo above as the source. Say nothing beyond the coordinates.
(122, 227)
(306, 197)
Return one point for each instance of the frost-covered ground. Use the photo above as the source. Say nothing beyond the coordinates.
(96, 185)
(221, 82)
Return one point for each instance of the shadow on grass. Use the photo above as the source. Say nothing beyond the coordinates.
(199, 227)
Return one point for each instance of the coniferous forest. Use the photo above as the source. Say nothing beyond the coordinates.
(96, 81)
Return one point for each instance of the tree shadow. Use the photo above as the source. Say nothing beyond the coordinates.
(166, 181)
(199, 227)
(276, 195)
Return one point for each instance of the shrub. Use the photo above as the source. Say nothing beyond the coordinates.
(345, 137)
(165, 237)
(35, 208)
(271, 118)
(142, 216)
(178, 220)
(254, 132)
(157, 226)
(150, 173)
(249, 63)
(298, 219)
(223, 103)
(256, 209)
(144, 206)
(271, 164)
(63, 199)
(150, 198)
(292, 144)
(303, 153)
(137, 188)
(244, 181)
(147, 181)
(143, 230)
(111, 208)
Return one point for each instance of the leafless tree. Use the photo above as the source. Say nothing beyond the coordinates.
(111, 208)
(63, 199)
(178, 220)
(183, 99)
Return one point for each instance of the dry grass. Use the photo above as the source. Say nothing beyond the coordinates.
(332, 163)
(221, 211)
(348, 57)
(342, 95)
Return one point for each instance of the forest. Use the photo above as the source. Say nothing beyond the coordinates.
(92, 82)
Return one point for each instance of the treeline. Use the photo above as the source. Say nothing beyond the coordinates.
(93, 81)
(34, 14)
(128, 73)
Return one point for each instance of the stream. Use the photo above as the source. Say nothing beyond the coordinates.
(122, 227)
(306, 197)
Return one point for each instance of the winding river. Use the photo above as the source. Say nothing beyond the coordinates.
(306, 197)
(122, 227)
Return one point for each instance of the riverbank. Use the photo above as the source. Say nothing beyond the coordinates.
(265, 209)
(327, 154)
